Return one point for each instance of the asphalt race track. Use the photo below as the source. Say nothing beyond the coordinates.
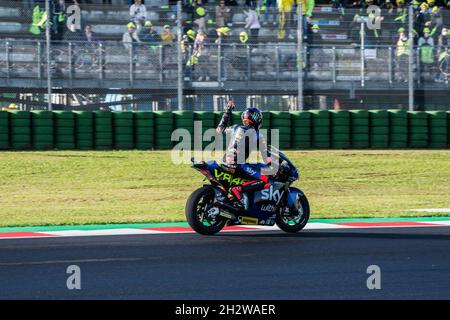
(314, 264)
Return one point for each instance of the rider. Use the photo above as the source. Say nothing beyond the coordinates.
(244, 137)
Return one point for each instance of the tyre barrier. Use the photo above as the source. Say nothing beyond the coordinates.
(321, 138)
(398, 128)
(84, 130)
(379, 128)
(20, 130)
(64, 122)
(42, 130)
(301, 129)
(123, 130)
(103, 130)
(316, 129)
(144, 130)
(4, 130)
(163, 121)
(359, 129)
(340, 129)
(418, 129)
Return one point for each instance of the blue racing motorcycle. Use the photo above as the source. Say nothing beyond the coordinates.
(209, 209)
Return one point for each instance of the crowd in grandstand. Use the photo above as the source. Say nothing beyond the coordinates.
(208, 21)
(205, 15)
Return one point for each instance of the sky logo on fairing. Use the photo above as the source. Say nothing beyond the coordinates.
(269, 194)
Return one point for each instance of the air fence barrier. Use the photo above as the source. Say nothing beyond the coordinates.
(315, 129)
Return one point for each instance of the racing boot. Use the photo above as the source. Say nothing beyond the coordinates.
(238, 194)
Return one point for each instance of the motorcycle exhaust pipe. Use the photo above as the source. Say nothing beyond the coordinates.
(227, 211)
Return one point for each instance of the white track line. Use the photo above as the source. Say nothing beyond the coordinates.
(105, 232)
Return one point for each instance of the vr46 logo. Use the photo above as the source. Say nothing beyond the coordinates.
(228, 177)
(269, 194)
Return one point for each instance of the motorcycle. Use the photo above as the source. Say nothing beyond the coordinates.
(209, 209)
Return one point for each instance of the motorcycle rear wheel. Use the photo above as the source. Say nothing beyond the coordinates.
(196, 206)
(297, 222)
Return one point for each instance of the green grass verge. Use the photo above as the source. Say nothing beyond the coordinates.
(99, 187)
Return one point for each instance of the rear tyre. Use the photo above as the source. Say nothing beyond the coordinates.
(196, 212)
(297, 218)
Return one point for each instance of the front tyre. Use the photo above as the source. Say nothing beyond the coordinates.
(197, 212)
(296, 218)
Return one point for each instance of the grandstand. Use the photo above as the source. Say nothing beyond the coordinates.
(88, 76)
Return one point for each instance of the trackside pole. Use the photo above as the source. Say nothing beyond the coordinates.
(300, 56)
(180, 55)
(362, 53)
(49, 73)
(410, 60)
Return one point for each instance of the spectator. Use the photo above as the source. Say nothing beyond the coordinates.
(252, 24)
(387, 5)
(426, 40)
(270, 7)
(436, 22)
(354, 29)
(443, 42)
(307, 9)
(200, 16)
(89, 35)
(138, 14)
(373, 35)
(415, 4)
(173, 8)
(148, 34)
(401, 14)
(284, 18)
(251, 3)
(131, 36)
(402, 54)
(187, 42)
(200, 57)
(222, 14)
(39, 19)
(426, 54)
(431, 4)
(57, 11)
(167, 36)
(231, 4)
(243, 37)
(313, 34)
(199, 44)
(223, 35)
(191, 36)
(422, 17)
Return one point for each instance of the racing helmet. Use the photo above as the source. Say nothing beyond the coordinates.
(254, 116)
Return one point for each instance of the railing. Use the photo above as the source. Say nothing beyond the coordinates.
(217, 65)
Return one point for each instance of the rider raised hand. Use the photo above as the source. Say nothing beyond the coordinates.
(244, 138)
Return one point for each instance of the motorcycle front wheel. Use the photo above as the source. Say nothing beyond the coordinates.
(295, 220)
(196, 211)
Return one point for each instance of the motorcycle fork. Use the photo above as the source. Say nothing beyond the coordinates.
(282, 202)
